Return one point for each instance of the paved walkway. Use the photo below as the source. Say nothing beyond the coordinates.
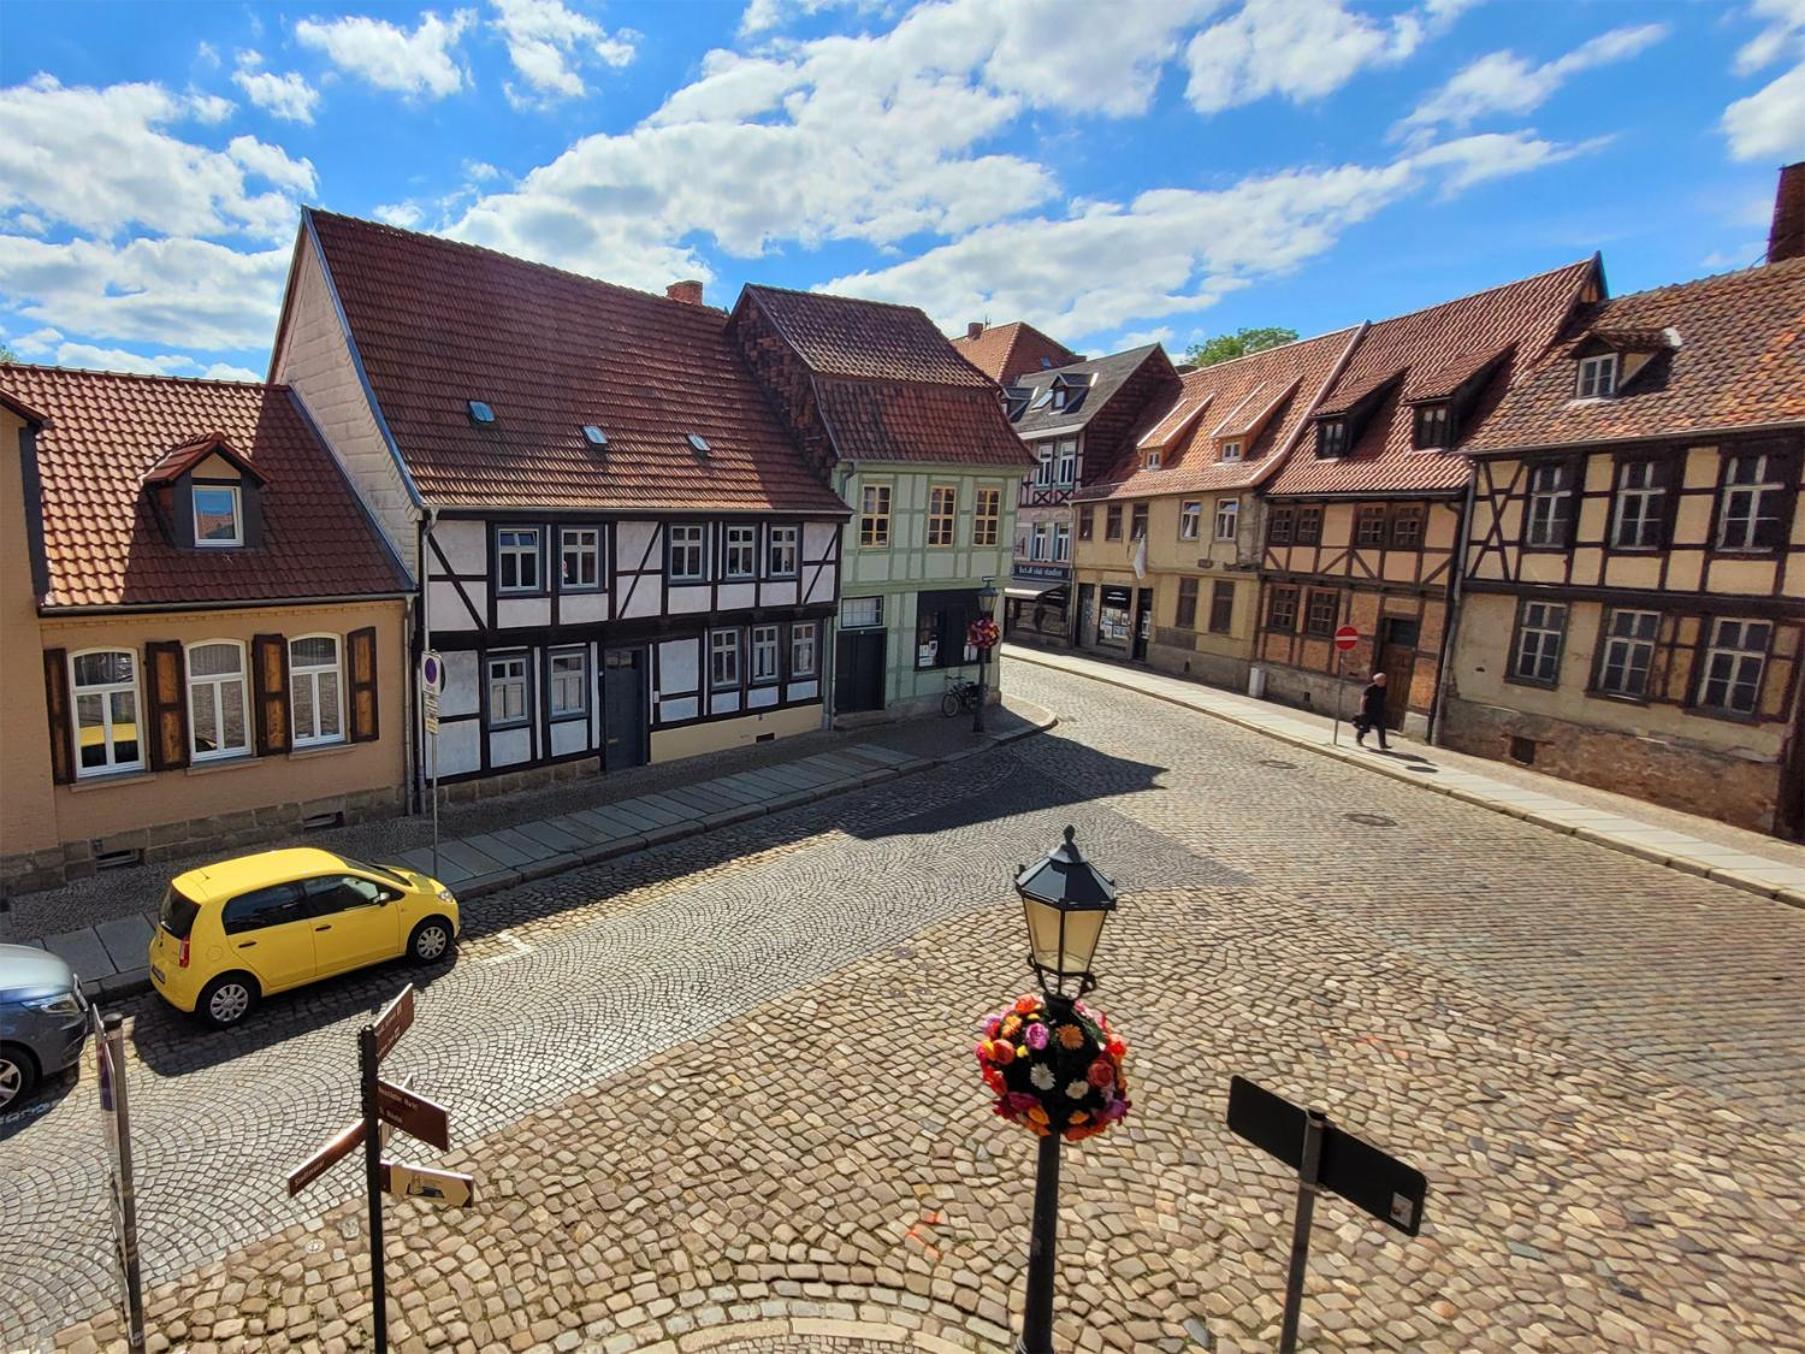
(1754, 864)
(110, 955)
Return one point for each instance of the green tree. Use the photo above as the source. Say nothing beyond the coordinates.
(1238, 344)
(7, 354)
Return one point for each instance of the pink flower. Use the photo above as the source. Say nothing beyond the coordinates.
(1038, 1036)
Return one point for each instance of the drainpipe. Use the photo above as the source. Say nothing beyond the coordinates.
(1450, 630)
(830, 632)
(432, 520)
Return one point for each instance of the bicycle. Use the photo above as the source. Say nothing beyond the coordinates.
(960, 695)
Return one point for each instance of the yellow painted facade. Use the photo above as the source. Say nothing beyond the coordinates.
(719, 735)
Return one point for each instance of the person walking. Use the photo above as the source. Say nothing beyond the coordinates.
(1372, 713)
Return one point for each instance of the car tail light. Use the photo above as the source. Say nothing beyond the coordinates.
(182, 955)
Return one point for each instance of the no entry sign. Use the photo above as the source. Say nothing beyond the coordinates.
(1346, 638)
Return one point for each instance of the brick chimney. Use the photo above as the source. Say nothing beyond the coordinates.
(688, 291)
(974, 329)
(1786, 240)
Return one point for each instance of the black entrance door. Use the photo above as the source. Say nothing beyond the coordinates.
(624, 735)
(859, 671)
(1143, 621)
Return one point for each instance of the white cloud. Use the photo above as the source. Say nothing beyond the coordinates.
(227, 371)
(37, 345)
(288, 97)
(1299, 49)
(406, 215)
(423, 62)
(206, 54)
(1503, 82)
(133, 171)
(1784, 21)
(209, 108)
(548, 41)
(762, 15)
(95, 358)
(1771, 121)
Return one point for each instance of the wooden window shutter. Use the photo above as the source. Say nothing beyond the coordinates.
(269, 664)
(361, 647)
(56, 703)
(167, 705)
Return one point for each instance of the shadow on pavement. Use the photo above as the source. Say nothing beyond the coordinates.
(41, 1101)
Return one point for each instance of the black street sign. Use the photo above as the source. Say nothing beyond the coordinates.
(1371, 1180)
(394, 1021)
(413, 1114)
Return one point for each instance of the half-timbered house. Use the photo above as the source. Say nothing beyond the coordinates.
(1634, 609)
(618, 549)
(1363, 521)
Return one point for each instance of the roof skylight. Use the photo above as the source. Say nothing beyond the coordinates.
(699, 442)
(594, 435)
(481, 413)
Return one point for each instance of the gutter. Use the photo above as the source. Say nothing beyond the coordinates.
(50, 611)
(1642, 439)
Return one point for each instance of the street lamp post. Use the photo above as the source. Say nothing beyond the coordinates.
(987, 600)
(1065, 901)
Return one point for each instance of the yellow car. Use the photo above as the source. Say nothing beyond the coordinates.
(236, 931)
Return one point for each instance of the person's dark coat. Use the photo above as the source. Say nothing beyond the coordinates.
(1372, 706)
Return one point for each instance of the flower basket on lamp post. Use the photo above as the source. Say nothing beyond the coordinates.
(983, 635)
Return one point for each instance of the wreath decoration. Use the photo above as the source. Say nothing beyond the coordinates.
(983, 633)
(1054, 1069)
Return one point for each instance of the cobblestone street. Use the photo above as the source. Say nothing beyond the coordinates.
(720, 1094)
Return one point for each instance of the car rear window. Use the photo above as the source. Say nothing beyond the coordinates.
(179, 912)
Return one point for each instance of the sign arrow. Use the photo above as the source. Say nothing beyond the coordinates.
(413, 1114)
(335, 1150)
(452, 1189)
(396, 1019)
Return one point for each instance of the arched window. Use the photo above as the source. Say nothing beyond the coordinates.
(219, 708)
(316, 693)
(107, 732)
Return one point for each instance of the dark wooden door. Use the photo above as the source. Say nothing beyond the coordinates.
(1143, 621)
(625, 738)
(859, 671)
(1397, 660)
(1087, 615)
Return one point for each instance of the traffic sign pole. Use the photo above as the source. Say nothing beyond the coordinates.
(432, 678)
(368, 1057)
(1346, 637)
(1307, 1171)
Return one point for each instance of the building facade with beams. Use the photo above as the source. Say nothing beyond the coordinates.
(202, 635)
(1076, 420)
(1363, 521)
(615, 545)
(916, 442)
(1187, 486)
(1634, 608)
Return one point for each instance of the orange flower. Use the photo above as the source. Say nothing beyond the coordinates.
(1070, 1036)
(1002, 1053)
(1026, 1005)
(1011, 1027)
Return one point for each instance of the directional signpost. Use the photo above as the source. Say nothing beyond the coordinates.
(1345, 639)
(385, 1106)
(122, 1194)
(1324, 1157)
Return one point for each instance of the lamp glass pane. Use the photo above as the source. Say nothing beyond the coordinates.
(1082, 929)
(1043, 932)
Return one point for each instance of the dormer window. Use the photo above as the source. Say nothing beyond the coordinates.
(1152, 459)
(1598, 376)
(1434, 427)
(480, 412)
(218, 516)
(1231, 451)
(1331, 438)
(1060, 394)
(1015, 401)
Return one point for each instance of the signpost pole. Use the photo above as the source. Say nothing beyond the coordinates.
(1307, 1169)
(435, 799)
(1340, 697)
(368, 1057)
(125, 1193)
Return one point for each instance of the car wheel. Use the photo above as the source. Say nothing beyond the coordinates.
(430, 942)
(18, 1074)
(227, 1000)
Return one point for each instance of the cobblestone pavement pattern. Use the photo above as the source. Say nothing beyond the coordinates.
(721, 1095)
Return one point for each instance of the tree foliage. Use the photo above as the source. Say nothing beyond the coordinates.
(1238, 344)
(7, 354)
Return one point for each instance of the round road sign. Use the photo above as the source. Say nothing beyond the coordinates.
(1346, 638)
(432, 671)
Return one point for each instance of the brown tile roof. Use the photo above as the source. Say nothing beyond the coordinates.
(19, 407)
(1524, 317)
(439, 324)
(1004, 351)
(102, 541)
(177, 461)
(867, 340)
(1233, 393)
(1740, 363)
(869, 420)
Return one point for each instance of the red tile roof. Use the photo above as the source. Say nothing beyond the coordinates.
(1740, 363)
(102, 542)
(1233, 393)
(1524, 317)
(178, 461)
(1004, 351)
(439, 324)
(868, 340)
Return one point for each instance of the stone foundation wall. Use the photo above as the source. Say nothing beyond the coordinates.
(1673, 772)
(223, 833)
(1184, 661)
(1316, 692)
(513, 782)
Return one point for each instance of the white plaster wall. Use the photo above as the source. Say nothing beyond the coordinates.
(687, 601)
(569, 735)
(459, 749)
(777, 594)
(508, 746)
(460, 694)
(630, 542)
(465, 546)
(683, 707)
(735, 596)
(679, 665)
(512, 611)
(578, 608)
(448, 609)
(760, 696)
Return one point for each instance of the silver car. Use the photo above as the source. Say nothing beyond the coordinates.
(43, 1020)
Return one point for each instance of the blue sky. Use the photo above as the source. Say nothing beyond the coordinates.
(1110, 172)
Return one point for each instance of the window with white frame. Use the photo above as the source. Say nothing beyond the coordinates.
(1065, 469)
(1231, 451)
(764, 655)
(742, 553)
(874, 515)
(1228, 518)
(219, 701)
(723, 659)
(1597, 376)
(218, 515)
(1536, 657)
(107, 729)
(861, 613)
(1152, 460)
(508, 691)
(1734, 663)
(689, 553)
(569, 679)
(803, 638)
(316, 693)
(986, 522)
(1629, 653)
(1038, 542)
(780, 555)
(1190, 519)
(1641, 508)
(1043, 465)
(1550, 515)
(1751, 513)
(1062, 542)
(579, 559)
(517, 559)
(943, 505)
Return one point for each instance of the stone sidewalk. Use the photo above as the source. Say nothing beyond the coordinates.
(1728, 856)
(110, 955)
